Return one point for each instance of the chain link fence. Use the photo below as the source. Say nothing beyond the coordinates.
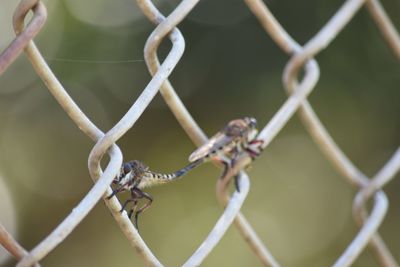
(299, 79)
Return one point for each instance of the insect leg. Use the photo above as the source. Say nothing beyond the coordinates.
(253, 154)
(256, 142)
(116, 191)
(234, 156)
(134, 198)
(251, 150)
(233, 162)
(126, 203)
(140, 194)
(226, 168)
(130, 214)
(237, 183)
(133, 209)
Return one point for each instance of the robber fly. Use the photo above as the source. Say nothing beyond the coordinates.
(135, 176)
(236, 137)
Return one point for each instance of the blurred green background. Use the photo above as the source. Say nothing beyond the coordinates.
(298, 203)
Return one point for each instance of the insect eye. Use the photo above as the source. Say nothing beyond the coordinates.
(253, 122)
(126, 168)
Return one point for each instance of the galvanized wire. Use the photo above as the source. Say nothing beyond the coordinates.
(315, 127)
(11, 245)
(190, 126)
(26, 34)
(301, 57)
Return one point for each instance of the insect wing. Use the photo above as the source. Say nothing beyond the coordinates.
(215, 143)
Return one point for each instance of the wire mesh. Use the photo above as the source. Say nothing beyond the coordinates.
(298, 89)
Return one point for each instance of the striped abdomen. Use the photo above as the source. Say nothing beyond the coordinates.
(225, 150)
(152, 178)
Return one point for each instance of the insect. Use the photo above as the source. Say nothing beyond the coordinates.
(236, 137)
(135, 176)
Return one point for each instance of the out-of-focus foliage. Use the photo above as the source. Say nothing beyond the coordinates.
(298, 203)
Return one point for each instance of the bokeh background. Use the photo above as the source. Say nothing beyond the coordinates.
(298, 203)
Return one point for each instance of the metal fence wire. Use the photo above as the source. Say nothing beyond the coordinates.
(301, 59)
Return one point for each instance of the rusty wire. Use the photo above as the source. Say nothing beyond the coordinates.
(301, 57)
